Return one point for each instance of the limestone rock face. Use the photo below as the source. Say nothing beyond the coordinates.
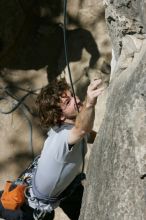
(124, 17)
(115, 187)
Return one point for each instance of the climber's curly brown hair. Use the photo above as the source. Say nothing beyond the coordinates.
(48, 103)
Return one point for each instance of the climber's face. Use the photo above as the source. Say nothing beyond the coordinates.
(68, 105)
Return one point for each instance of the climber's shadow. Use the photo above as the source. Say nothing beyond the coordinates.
(77, 40)
(41, 42)
(48, 50)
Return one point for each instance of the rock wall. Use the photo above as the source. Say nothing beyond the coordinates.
(115, 187)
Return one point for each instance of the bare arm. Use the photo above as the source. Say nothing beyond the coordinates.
(85, 119)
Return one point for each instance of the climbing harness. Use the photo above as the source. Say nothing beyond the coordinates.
(41, 206)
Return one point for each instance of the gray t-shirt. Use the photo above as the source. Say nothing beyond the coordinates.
(58, 165)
